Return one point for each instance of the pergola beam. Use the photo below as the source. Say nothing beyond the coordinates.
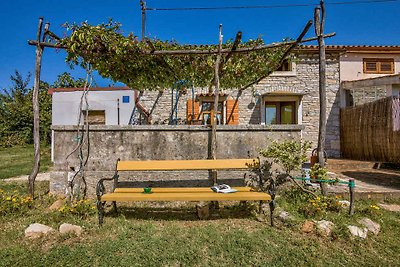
(200, 52)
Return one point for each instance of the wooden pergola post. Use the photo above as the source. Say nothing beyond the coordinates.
(35, 103)
(215, 107)
(319, 18)
(143, 8)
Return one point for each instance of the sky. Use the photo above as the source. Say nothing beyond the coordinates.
(357, 24)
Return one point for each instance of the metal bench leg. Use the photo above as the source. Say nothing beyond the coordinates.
(115, 210)
(215, 205)
(100, 209)
(260, 211)
(272, 208)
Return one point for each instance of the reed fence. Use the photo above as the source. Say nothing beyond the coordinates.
(372, 131)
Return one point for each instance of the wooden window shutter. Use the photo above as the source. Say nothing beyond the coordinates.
(387, 67)
(232, 112)
(190, 107)
(379, 65)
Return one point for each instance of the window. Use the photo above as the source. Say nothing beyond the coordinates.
(201, 111)
(281, 107)
(207, 113)
(280, 112)
(95, 117)
(379, 65)
(286, 66)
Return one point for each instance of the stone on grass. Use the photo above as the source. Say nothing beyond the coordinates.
(260, 217)
(308, 227)
(284, 216)
(203, 210)
(324, 227)
(370, 225)
(56, 205)
(390, 207)
(357, 231)
(67, 228)
(36, 230)
(344, 203)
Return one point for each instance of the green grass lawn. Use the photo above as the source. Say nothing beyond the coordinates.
(18, 160)
(148, 235)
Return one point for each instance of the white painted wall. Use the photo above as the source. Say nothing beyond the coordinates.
(351, 66)
(65, 107)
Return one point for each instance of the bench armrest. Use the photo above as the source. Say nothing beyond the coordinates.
(100, 189)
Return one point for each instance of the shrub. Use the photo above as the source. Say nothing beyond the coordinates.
(289, 154)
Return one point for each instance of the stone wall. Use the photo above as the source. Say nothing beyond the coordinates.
(365, 95)
(158, 142)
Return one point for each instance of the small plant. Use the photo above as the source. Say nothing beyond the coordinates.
(372, 210)
(289, 154)
(81, 208)
(318, 172)
(14, 203)
(316, 207)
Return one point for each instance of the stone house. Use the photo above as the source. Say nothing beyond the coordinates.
(288, 101)
(174, 124)
(368, 73)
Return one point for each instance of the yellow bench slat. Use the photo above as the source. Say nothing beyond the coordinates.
(202, 196)
(176, 189)
(173, 165)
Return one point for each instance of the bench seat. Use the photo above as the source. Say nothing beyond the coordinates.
(122, 194)
(176, 189)
(183, 194)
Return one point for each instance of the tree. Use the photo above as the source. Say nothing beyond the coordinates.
(16, 112)
(16, 116)
(45, 112)
(65, 80)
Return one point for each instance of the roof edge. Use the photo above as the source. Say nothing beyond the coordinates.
(75, 89)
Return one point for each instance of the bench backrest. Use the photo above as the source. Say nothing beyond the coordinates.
(172, 165)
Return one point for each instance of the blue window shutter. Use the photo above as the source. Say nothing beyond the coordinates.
(125, 99)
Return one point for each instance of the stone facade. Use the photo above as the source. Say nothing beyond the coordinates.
(362, 96)
(303, 80)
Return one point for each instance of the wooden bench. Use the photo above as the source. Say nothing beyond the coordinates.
(120, 194)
